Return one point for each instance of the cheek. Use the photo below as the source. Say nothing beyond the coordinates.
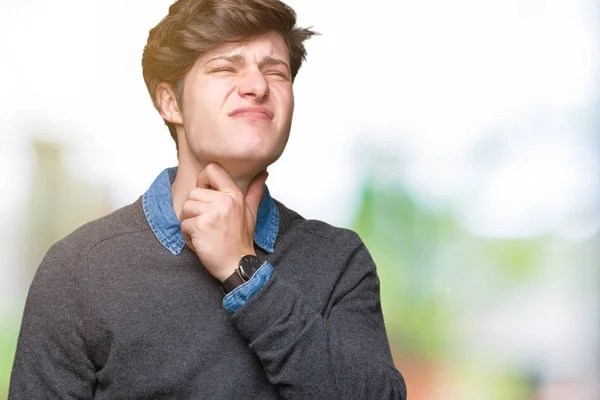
(286, 100)
(291, 105)
(289, 111)
(199, 113)
(204, 98)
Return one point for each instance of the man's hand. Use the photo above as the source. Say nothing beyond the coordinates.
(218, 221)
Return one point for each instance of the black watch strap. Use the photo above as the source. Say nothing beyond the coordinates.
(247, 266)
(232, 282)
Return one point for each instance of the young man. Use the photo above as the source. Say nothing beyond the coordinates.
(207, 287)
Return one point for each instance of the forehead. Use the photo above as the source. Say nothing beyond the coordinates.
(268, 45)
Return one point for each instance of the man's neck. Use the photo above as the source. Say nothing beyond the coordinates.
(187, 175)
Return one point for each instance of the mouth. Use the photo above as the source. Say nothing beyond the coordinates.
(252, 113)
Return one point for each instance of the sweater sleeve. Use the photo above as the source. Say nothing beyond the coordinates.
(241, 294)
(345, 355)
(51, 360)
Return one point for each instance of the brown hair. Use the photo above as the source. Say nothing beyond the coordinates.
(194, 27)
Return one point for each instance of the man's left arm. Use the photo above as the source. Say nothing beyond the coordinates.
(344, 354)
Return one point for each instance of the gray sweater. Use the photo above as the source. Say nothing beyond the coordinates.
(111, 314)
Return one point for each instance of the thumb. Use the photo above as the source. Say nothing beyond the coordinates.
(255, 192)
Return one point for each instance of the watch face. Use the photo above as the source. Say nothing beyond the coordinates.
(249, 265)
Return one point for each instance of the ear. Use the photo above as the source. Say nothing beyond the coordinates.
(166, 102)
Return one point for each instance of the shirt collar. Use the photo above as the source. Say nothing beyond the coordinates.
(160, 214)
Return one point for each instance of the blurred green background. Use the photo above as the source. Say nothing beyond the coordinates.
(461, 140)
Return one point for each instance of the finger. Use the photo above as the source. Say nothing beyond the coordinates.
(213, 175)
(193, 208)
(205, 195)
(255, 192)
(186, 230)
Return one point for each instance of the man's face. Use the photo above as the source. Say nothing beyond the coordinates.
(238, 104)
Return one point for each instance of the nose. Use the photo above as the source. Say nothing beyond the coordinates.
(253, 86)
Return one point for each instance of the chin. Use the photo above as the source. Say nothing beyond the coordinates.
(256, 146)
(256, 159)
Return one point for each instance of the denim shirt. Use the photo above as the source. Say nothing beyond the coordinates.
(158, 208)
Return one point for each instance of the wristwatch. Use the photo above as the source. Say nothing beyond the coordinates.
(247, 266)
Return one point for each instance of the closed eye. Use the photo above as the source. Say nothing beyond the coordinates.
(224, 69)
(277, 73)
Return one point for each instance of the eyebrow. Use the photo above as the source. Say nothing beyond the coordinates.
(238, 58)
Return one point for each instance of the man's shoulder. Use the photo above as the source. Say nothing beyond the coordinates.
(119, 223)
(294, 224)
